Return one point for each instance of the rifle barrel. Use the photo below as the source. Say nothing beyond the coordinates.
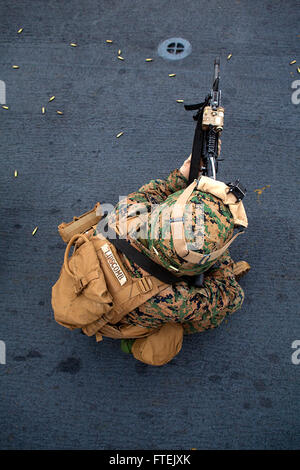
(216, 67)
(216, 74)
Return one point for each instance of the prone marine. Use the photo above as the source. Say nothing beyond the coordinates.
(85, 296)
(158, 266)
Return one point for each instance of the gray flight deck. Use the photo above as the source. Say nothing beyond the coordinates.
(235, 387)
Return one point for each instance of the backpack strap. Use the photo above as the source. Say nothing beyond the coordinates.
(177, 228)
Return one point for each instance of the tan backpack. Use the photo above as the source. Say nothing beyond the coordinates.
(95, 291)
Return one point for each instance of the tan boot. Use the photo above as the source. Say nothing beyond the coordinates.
(240, 269)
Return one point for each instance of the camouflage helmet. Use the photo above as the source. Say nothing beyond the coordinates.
(208, 226)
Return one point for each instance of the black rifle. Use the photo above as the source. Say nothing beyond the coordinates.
(205, 158)
(210, 118)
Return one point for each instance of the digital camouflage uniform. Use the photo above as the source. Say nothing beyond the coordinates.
(195, 308)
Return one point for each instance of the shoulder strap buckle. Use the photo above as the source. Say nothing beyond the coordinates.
(145, 284)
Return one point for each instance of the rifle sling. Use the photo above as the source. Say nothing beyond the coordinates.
(146, 263)
(198, 140)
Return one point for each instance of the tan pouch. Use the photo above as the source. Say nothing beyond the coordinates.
(80, 296)
(161, 346)
(80, 224)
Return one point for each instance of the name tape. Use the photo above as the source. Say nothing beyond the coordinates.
(113, 264)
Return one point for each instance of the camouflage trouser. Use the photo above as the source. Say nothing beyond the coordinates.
(197, 309)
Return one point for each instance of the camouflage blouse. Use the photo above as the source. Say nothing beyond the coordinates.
(196, 308)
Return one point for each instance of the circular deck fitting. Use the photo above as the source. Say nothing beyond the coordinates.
(174, 48)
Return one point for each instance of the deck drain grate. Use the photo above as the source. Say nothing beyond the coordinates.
(174, 48)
